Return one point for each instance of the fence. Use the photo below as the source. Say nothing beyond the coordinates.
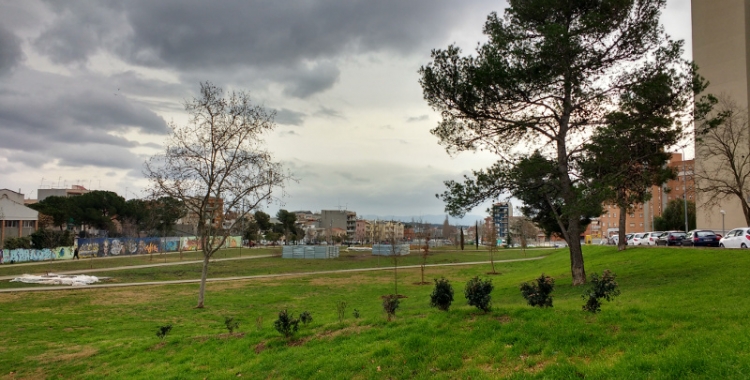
(309, 252)
(101, 247)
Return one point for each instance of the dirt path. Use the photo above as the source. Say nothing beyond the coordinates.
(338, 271)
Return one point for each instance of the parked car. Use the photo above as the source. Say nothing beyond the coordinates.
(671, 238)
(701, 238)
(630, 239)
(638, 239)
(652, 237)
(736, 238)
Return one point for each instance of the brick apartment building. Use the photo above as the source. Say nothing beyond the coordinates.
(641, 218)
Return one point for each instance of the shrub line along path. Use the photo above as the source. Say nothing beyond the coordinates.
(237, 278)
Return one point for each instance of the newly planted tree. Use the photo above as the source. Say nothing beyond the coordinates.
(550, 74)
(216, 164)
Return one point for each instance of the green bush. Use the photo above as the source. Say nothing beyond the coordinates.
(231, 324)
(355, 313)
(286, 325)
(305, 317)
(44, 238)
(163, 331)
(442, 295)
(600, 287)
(539, 293)
(17, 243)
(478, 293)
(390, 305)
(341, 310)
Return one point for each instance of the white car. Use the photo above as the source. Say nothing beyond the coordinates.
(630, 239)
(638, 239)
(652, 237)
(736, 238)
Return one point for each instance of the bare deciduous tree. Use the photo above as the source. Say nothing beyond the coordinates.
(216, 163)
(490, 241)
(724, 171)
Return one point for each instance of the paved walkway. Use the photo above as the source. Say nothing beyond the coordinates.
(338, 271)
(94, 270)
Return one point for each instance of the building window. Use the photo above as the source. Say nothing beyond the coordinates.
(28, 224)
(632, 224)
(11, 223)
(641, 224)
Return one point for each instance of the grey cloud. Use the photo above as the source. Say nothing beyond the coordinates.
(310, 81)
(329, 112)
(100, 156)
(10, 50)
(305, 37)
(151, 145)
(417, 118)
(288, 117)
(352, 178)
(51, 117)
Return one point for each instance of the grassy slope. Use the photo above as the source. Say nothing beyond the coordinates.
(682, 314)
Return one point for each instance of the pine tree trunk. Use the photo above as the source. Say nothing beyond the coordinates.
(573, 235)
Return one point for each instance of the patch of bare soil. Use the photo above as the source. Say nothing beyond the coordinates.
(504, 319)
(297, 342)
(354, 279)
(66, 353)
(397, 295)
(260, 347)
(422, 283)
(494, 273)
(345, 331)
(37, 374)
(157, 346)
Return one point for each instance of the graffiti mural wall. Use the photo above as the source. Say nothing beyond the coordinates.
(101, 247)
(8, 256)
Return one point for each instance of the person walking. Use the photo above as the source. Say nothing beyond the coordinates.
(75, 254)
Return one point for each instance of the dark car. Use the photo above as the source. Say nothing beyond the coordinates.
(671, 238)
(701, 238)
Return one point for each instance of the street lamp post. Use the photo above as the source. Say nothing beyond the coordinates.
(723, 231)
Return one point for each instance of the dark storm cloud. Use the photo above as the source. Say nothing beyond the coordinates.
(10, 50)
(304, 37)
(288, 117)
(53, 117)
(305, 82)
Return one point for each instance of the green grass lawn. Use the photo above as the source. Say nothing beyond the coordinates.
(682, 314)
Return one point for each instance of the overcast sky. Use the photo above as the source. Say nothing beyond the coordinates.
(87, 89)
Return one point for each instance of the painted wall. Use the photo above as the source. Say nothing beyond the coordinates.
(101, 247)
(8, 256)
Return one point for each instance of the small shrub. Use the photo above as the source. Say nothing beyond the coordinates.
(442, 295)
(231, 324)
(600, 287)
(286, 325)
(163, 331)
(539, 293)
(341, 310)
(478, 293)
(390, 305)
(305, 317)
(355, 313)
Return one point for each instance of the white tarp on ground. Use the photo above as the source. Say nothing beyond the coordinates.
(359, 249)
(57, 279)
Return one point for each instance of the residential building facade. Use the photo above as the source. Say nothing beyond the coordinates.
(16, 220)
(721, 49)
